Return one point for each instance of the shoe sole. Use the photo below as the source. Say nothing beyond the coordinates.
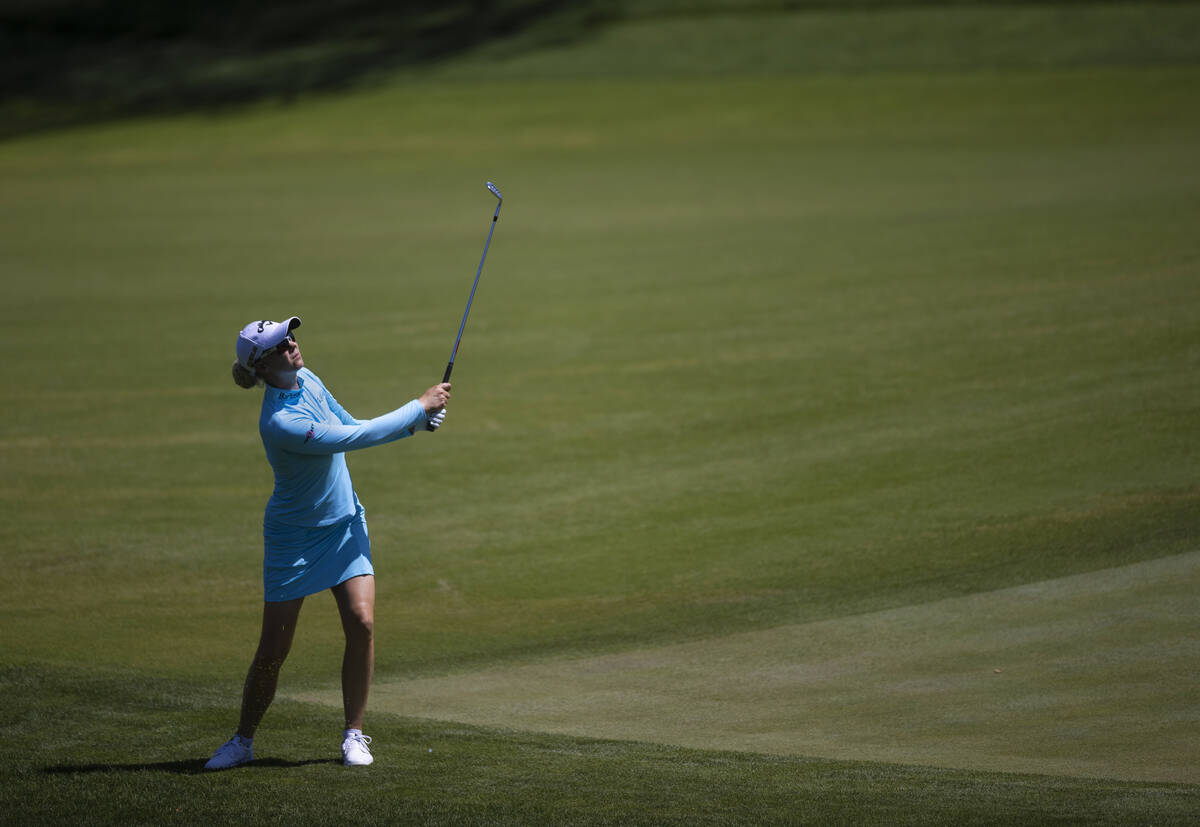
(228, 767)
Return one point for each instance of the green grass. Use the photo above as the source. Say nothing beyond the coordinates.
(1087, 676)
(80, 61)
(451, 773)
(752, 350)
(850, 38)
(853, 343)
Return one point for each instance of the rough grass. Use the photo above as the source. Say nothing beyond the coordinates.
(99, 748)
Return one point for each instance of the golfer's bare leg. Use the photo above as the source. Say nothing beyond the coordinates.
(356, 604)
(278, 629)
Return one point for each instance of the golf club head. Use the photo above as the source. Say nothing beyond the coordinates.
(495, 191)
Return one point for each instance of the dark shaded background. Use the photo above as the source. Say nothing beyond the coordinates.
(71, 61)
(64, 62)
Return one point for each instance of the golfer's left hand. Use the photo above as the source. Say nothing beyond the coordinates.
(435, 398)
(435, 420)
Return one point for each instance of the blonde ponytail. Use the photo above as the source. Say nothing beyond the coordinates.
(244, 377)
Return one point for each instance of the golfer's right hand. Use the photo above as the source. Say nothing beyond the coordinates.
(435, 420)
(435, 398)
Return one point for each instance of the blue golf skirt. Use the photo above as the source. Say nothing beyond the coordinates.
(299, 561)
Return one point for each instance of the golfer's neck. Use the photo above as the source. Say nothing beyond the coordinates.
(285, 381)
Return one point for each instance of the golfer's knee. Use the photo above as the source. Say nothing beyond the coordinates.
(359, 627)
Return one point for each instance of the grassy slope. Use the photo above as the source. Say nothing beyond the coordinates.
(906, 37)
(1088, 676)
(77, 772)
(852, 343)
(756, 351)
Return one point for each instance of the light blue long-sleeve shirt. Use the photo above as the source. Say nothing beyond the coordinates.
(305, 433)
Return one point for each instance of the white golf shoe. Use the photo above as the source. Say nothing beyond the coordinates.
(355, 752)
(234, 752)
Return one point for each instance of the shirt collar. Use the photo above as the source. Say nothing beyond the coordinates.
(288, 396)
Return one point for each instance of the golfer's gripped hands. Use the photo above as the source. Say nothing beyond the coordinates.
(435, 398)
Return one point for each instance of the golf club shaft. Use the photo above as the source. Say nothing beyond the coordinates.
(462, 325)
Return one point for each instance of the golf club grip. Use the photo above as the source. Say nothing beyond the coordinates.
(449, 367)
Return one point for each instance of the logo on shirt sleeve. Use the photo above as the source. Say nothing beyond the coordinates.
(312, 432)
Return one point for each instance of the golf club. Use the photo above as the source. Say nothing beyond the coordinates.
(495, 217)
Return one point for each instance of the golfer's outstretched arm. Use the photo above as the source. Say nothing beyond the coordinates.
(303, 435)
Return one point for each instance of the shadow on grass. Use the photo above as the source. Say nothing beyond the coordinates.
(77, 61)
(194, 766)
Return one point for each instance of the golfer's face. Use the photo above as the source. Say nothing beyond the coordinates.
(285, 357)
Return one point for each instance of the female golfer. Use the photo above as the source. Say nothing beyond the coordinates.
(314, 530)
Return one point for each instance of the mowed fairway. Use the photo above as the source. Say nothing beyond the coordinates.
(792, 407)
(1089, 675)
